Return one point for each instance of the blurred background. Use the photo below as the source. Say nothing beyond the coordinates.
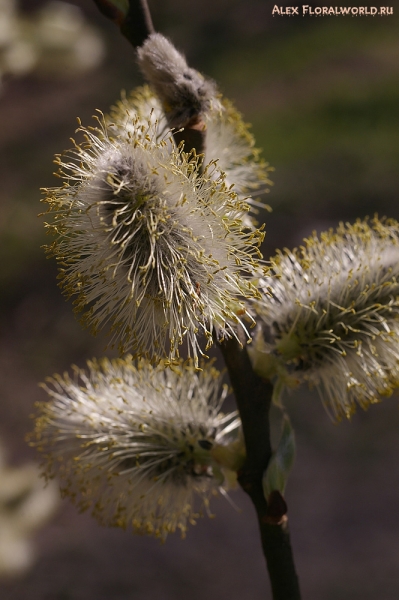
(323, 97)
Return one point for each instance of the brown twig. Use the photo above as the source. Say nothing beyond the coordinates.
(193, 135)
(253, 396)
(135, 23)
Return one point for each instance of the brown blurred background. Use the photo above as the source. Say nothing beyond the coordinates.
(323, 97)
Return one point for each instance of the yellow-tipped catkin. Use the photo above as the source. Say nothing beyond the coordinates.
(330, 315)
(151, 250)
(133, 443)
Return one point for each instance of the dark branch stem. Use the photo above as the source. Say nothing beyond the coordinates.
(252, 393)
(137, 25)
(193, 135)
(253, 396)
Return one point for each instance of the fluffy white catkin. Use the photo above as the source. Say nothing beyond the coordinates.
(153, 251)
(330, 315)
(228, 141)
(133, 443)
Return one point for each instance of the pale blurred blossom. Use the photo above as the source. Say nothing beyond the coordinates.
(8, 22)
(61, 28)
(56, 40)
(20, 57)
(26, 504)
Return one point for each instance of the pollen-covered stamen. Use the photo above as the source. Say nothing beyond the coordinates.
(134, 443)
(175, 452)
(332, 313)
(228, 142)
(148, 246)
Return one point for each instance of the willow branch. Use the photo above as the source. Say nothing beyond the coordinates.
(253, 396)
(193, 135)
(252, 393)
(135, 23)
(133, 19)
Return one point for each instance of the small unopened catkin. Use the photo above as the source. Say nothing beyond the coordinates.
(185, 94)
